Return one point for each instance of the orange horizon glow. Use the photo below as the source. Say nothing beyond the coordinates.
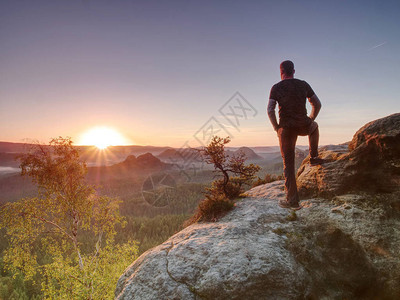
(103, 137)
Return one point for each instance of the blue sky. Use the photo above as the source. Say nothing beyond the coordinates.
(157, 71)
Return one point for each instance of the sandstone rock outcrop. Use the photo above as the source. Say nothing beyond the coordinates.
(342, 249)
(370, 163)
(345, 246)
(238, 257)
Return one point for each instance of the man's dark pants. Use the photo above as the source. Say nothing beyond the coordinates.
(287, 142)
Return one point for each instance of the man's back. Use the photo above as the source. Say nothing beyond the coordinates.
(291, 95)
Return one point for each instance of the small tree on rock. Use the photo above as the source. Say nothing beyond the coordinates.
(232, 169)
(233, 173)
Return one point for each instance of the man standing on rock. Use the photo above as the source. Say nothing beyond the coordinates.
(291, 95)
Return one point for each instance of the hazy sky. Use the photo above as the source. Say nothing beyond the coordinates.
(161, 71)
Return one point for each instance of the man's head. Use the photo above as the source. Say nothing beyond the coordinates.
(287, 69)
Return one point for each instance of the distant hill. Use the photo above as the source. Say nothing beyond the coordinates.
(144, 161)
(115, 154)
(9, 152)
(250, 154)
(12, 147)
(169, 154)
(132, 166)
(9, 159)
(180, 154)
(265, 149)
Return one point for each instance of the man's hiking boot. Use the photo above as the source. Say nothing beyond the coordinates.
(316, 161)
(285, 204)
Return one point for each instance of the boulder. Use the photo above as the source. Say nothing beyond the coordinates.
(341, 249)
(370, 163)
(242, 256)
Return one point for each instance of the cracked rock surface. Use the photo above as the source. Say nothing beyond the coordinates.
(239, 256)
(344, 248)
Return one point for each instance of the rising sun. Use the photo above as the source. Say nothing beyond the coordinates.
(102, 137)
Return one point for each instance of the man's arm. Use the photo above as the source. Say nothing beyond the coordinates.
(316, 106)
(271, 113)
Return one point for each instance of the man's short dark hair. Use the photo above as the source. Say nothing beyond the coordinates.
(287, 67)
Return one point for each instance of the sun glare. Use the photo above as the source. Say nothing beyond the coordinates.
(102, 137)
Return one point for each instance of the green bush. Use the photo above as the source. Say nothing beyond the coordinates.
(231, 190)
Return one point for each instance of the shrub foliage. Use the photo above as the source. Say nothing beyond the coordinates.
(233, 176)
(68, 225)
